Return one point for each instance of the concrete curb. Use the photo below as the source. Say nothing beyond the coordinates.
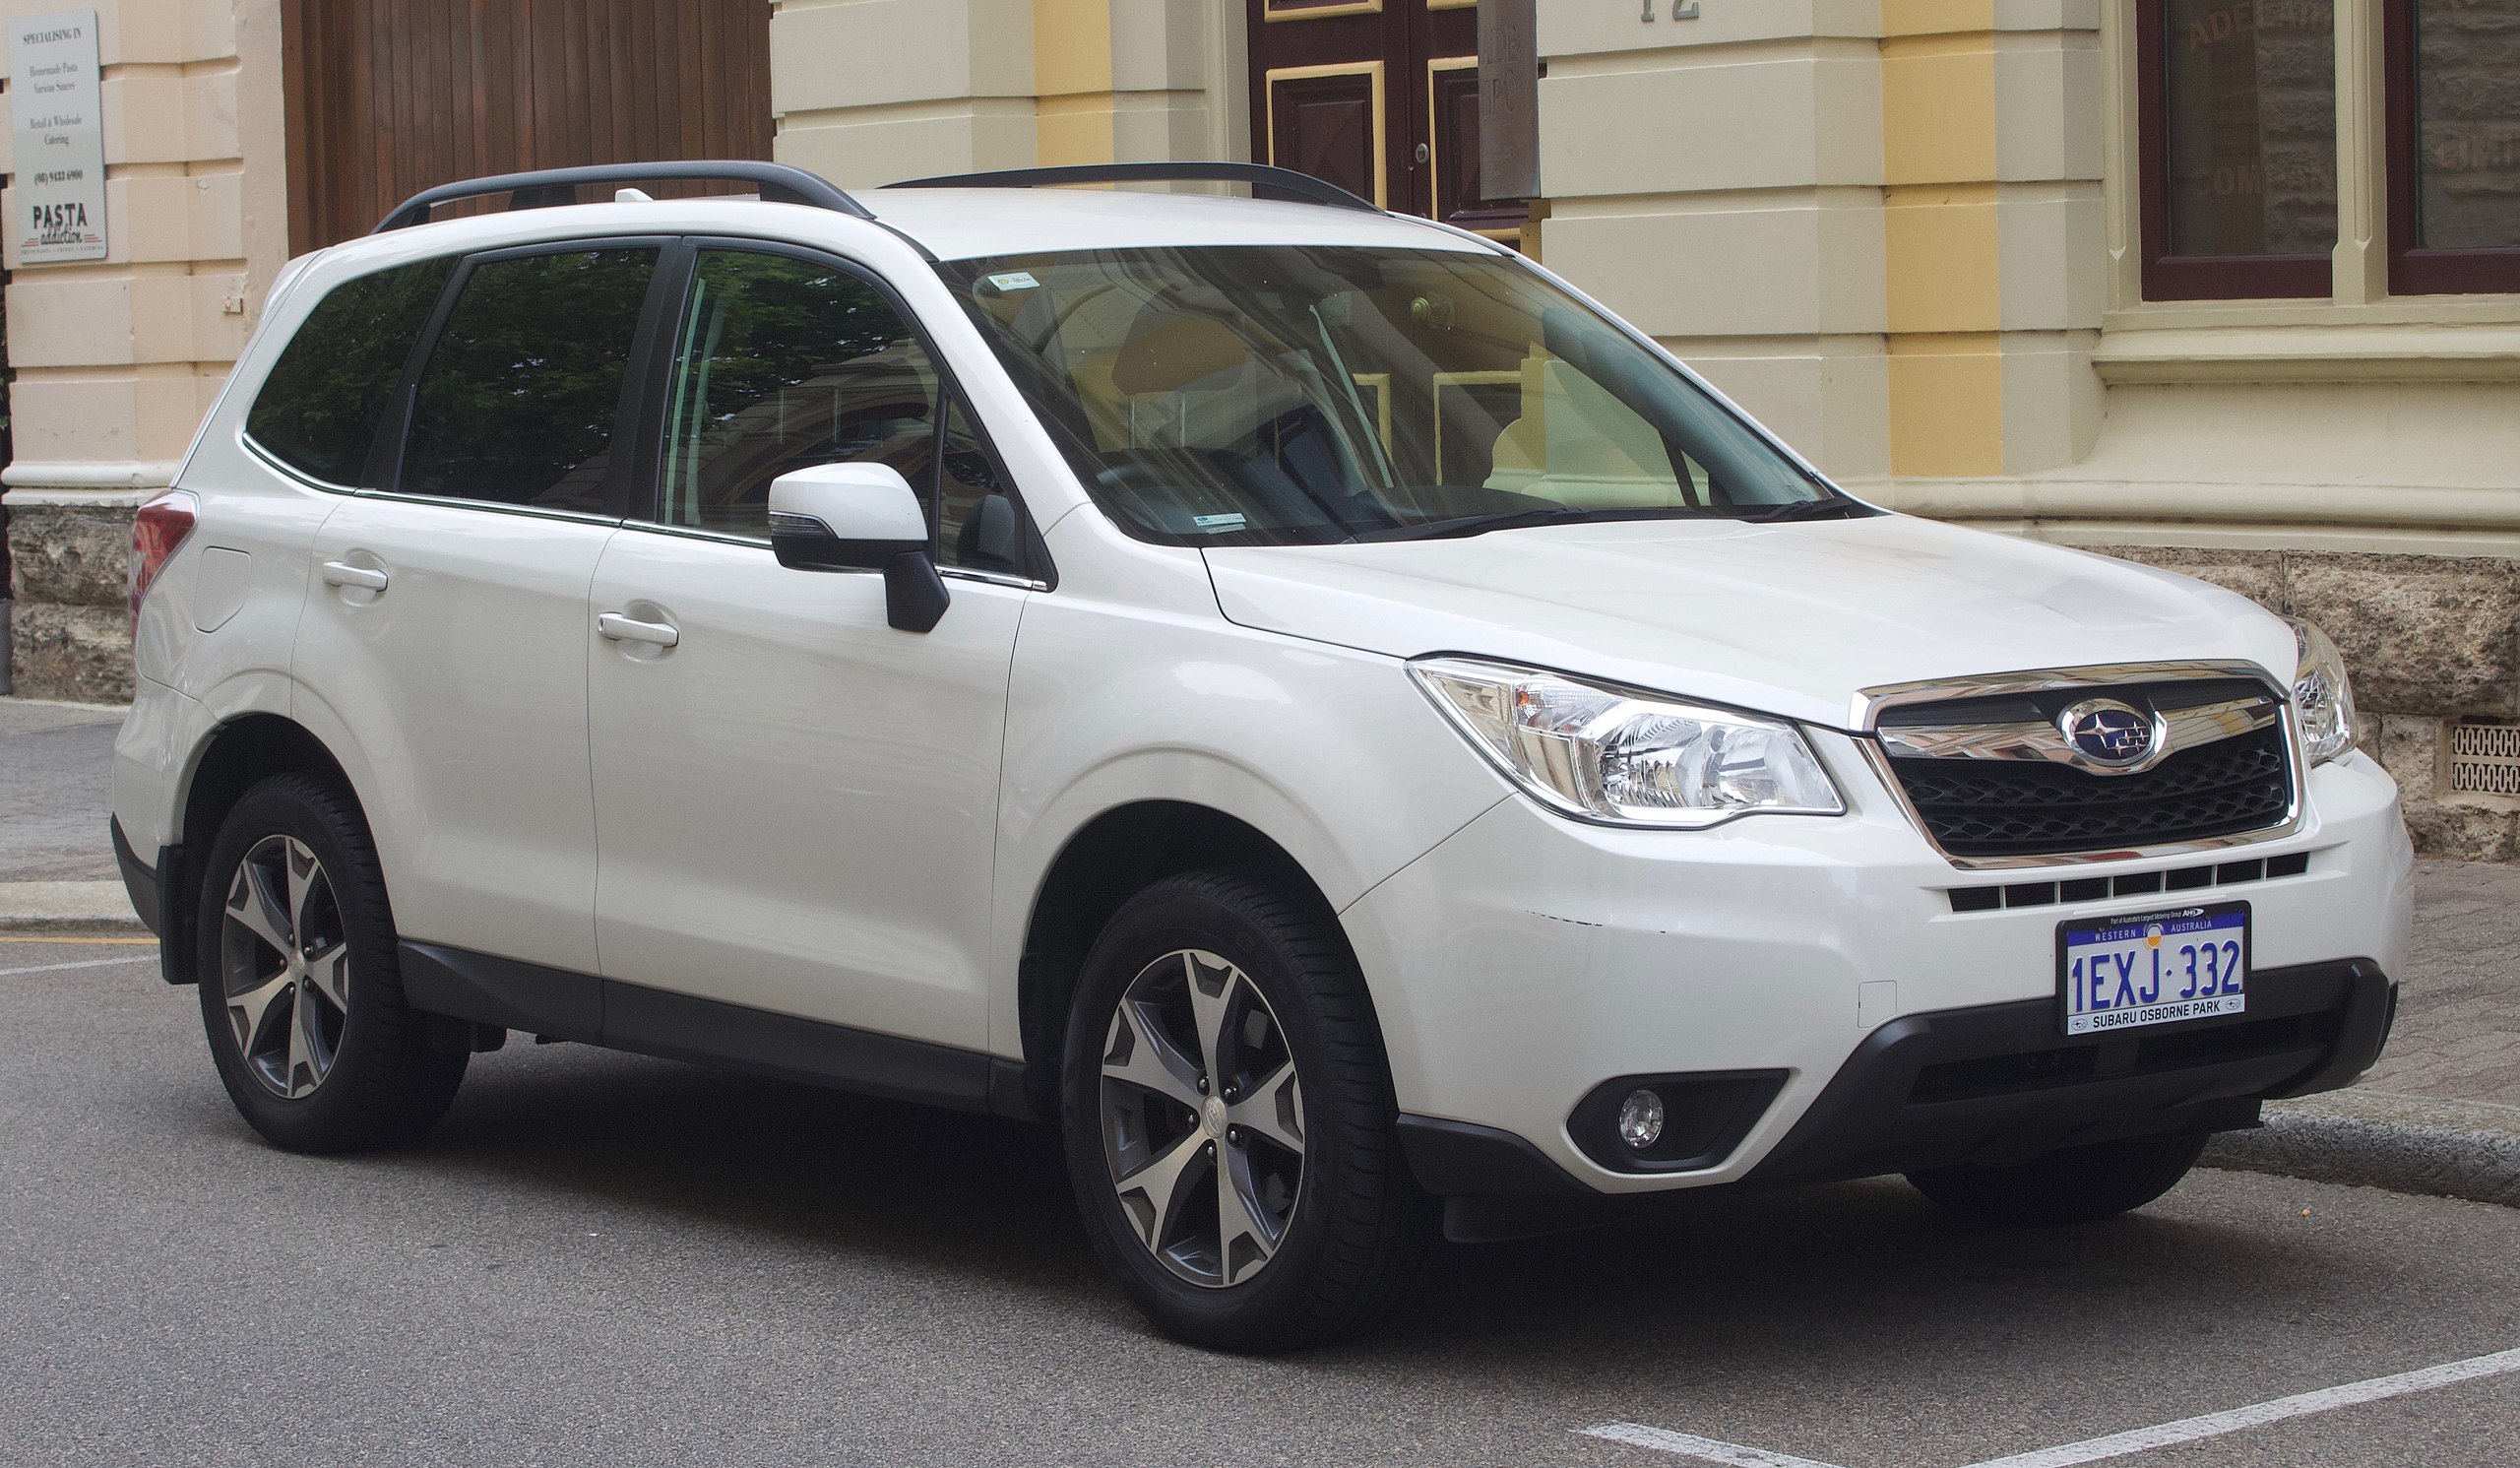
(2453, 1149)
(43, 906)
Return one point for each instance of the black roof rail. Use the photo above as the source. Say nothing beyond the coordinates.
(1266, 183)
(778, 182)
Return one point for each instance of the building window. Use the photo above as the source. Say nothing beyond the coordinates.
(2239, 147)
(2453, 145)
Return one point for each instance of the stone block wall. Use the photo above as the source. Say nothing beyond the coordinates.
(70, 630)
(2430, 640)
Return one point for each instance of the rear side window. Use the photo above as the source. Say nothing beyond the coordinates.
(520, 399)
(319, 409)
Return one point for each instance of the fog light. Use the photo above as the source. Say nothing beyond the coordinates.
(1640, 1120)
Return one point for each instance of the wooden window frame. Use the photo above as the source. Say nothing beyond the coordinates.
(2168, 277)
(2415, 271)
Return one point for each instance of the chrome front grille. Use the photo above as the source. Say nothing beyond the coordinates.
(1995, 775)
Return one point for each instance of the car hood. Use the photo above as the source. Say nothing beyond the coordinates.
(1794, 619)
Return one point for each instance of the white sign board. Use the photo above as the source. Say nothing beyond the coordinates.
(57, 106)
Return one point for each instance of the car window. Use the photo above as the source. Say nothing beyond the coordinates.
(979, 525)
(520, 399)
(1270, 394)
(784, 363)
(318, 410)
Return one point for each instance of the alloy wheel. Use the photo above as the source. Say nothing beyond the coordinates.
(1203, 1123)
(284, 966)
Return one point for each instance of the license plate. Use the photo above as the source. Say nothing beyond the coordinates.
(2153, 968)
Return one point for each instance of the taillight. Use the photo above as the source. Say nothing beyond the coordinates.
(155, 532)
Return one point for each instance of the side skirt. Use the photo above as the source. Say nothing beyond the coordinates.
(493, 990)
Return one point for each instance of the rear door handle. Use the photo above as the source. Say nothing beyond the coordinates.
(343, 573)
(619, 628)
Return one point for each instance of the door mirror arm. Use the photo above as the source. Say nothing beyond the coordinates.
(860, 517)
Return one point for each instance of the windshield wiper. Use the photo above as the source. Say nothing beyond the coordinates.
(1472, 525)
(1835, 507)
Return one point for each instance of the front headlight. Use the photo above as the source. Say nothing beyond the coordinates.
(2322, 695)
(1608, 754)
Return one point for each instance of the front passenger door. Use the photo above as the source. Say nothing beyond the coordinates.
(795, 805)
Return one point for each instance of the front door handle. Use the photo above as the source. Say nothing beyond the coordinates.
(619, 628)
(343, 573)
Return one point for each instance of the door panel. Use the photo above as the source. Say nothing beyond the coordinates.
(1327, 121)
(463, 684)
(797, 804)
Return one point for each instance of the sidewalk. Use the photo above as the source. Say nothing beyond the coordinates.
(2440, 1114)
(56, 786)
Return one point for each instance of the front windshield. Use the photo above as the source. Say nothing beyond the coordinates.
(1298, 394)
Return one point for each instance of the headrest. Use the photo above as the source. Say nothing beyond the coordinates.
(1182, 350)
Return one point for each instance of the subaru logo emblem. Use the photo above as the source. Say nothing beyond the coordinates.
(2105, 731)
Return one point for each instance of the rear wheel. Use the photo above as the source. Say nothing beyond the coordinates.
(2079, 1185)
(300, 994)
(1230, 1121)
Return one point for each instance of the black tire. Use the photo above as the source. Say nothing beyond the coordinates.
(1358, 1224)
(383, 1083)
(2080, 1185)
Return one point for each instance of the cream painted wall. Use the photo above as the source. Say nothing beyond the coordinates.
(117, 359)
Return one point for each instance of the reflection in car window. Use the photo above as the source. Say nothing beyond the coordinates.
(326, 397)
(1277, 394)
(783, 364)
(518, 401)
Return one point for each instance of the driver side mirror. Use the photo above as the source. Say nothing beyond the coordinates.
(859, 517)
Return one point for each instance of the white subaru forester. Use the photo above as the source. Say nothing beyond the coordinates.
(1299, 698)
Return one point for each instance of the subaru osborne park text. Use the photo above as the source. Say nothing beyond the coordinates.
(1301, 699)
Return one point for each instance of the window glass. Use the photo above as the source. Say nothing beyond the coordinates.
(979, 525)
(1269, 395)
(520, 399)
(783, 364)
(2467, 105)
(2251, 126)
(320, 408)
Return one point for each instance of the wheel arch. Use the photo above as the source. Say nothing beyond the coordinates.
(1104, 862)
(236, 756)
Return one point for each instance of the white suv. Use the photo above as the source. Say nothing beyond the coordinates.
(1297, 697)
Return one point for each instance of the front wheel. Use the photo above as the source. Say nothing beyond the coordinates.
(2079, 1185)
(1230, 1121)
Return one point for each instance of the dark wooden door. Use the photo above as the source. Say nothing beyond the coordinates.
(1380, 98)
(386, 98)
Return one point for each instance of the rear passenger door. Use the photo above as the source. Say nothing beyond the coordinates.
(446, 631)
(796, 803)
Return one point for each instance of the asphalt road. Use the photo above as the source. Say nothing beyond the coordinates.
(606, 1260)
(57, 791)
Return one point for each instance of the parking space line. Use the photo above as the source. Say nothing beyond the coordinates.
(2213, 1425)
(1705, 1449)
(2116, 1444)
(48, 940)
(85, 963)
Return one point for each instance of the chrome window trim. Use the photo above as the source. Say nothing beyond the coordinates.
(762, 542)
(994, 578)
(278, 465)
(488, 507)
(1871, 702)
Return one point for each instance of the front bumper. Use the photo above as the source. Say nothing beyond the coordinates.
(1530, 959)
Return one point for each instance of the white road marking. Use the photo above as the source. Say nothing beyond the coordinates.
(2116, 1444)
(85, 963)
(1706, 1449)
(2213, 1425)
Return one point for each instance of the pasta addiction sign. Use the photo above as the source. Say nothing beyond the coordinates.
(55, 104)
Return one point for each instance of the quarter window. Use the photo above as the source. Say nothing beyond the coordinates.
(522, 394)
(318, 410)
